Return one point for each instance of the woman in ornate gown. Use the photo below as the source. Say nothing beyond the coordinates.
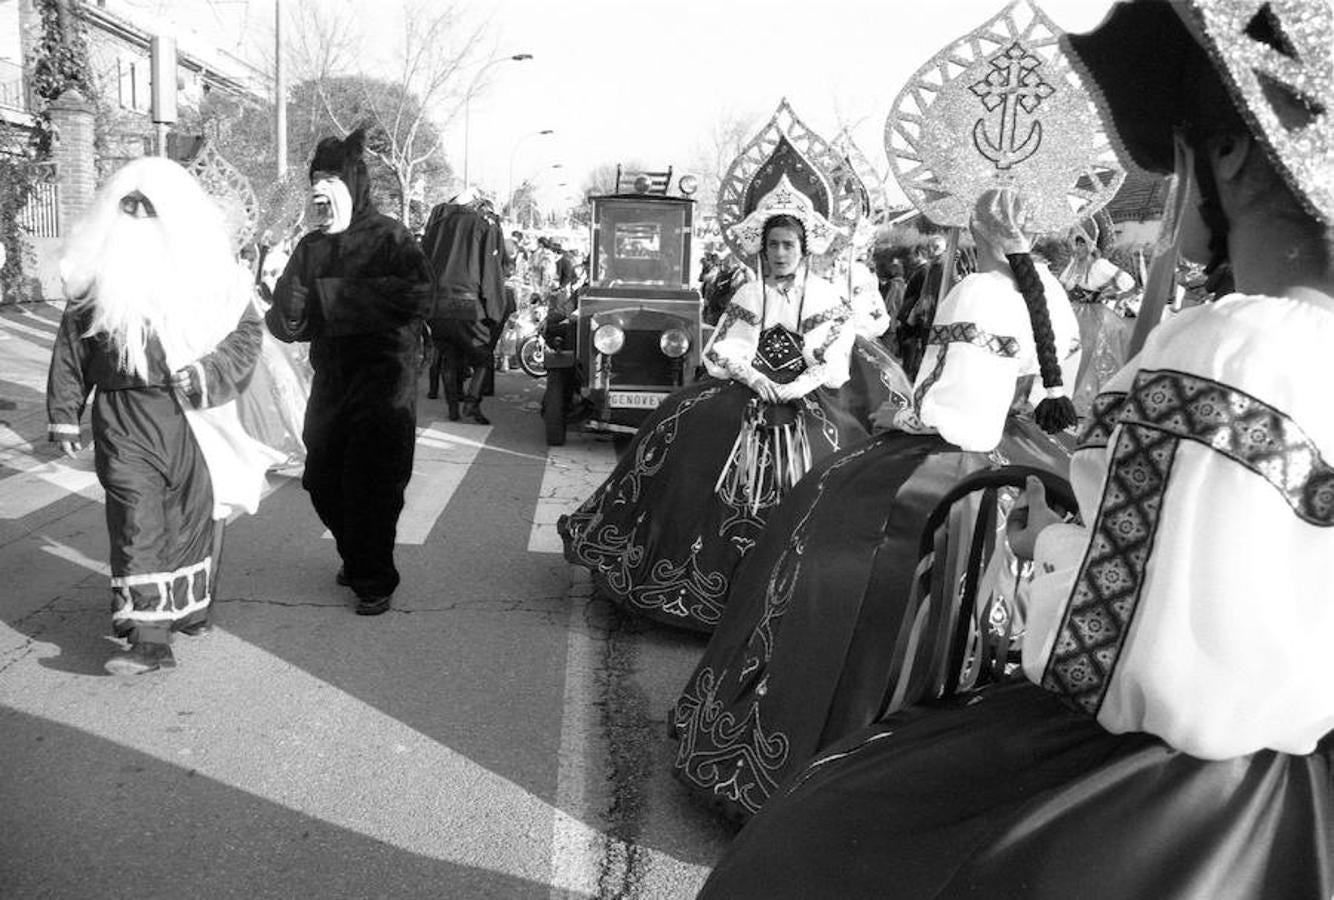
(691, 494)
(1173, 737)
(801, 657)
(1094, 285)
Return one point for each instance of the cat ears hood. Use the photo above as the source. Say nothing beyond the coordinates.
(345, 158)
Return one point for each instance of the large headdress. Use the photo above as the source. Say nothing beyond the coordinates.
(787, 169)
(1002, 107)
(1275, 58)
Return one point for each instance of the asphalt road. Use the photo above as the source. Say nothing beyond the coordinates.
(499, 733)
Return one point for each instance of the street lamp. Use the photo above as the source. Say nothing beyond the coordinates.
(467, 102)
(509, 196)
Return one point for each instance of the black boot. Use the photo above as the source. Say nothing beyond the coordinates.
(472, 409)
(140, 658)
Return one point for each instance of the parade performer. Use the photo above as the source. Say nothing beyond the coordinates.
(356, 288)
(802, 655)
(160, 327)
(692, 492)
(464, 244)
(1095, 285)
(1172, 738)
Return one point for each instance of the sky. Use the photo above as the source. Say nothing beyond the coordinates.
(621, 80)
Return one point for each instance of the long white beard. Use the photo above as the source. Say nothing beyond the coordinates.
(173, 277)
(139, 293)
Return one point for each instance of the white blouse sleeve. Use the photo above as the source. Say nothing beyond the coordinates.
(980, 342)
(731, 350)
(1197, 605)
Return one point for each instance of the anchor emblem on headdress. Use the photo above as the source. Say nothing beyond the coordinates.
(1012, 85)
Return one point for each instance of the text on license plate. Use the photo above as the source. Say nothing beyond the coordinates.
(634, 400)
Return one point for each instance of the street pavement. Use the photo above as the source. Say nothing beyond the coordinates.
(499, 733)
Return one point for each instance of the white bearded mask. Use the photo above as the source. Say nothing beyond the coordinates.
(331, 203)
(152, 257)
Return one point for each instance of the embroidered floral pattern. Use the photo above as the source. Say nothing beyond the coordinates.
(969, 333)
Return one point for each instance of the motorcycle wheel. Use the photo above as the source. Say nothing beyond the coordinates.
(532, 356)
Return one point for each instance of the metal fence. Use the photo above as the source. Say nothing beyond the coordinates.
(13, 86)
(40, 216)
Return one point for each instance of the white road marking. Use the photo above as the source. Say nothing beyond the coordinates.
(26, 363)
(11, 324)
(74, 555)
(573, 472)
(576, 852)
(44, 483)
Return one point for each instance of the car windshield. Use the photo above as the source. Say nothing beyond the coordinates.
(638, 242)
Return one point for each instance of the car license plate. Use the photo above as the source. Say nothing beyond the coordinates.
(634, 400)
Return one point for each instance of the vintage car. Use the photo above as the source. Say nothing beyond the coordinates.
(635, 335)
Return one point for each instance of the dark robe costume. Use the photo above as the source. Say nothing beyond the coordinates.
(359, 297)
(159, 495)
(466, 250)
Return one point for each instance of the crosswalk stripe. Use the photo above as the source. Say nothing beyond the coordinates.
(23, 328)
(26, 363)
(44, 483)
(573, 472)
(441, 462)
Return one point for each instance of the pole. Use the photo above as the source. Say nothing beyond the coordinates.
(279, 92)
(467, 105)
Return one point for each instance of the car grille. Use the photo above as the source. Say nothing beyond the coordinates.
(642, 362)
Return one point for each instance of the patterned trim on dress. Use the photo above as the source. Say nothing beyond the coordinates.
(1104, 413)
(1243, 428)
(161, 596)
(1107, 590)
(1163, 409)
(834, 312)
(969, 333)
(820, 352)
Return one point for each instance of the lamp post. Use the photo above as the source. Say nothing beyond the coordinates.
(509, 194)
(467, 103)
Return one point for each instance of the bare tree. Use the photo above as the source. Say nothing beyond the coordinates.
(407, 106)
(723, 143)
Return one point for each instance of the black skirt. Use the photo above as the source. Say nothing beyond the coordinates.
(1008, 793)
(658, 537)
(802, 655)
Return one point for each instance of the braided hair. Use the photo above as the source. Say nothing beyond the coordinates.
(1056, 412)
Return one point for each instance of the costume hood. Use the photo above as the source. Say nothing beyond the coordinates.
(345, 158)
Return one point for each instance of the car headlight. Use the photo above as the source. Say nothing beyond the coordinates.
(674, 342)
(609, 339)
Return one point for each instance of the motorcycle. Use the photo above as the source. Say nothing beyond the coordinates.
(525, 328)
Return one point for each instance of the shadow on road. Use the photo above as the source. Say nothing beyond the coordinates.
(63, 833)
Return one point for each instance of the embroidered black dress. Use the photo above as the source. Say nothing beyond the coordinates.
(664, 533)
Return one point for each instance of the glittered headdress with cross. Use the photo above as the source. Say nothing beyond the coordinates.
(1275, 59)
(1002, 107)
(788, 169)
